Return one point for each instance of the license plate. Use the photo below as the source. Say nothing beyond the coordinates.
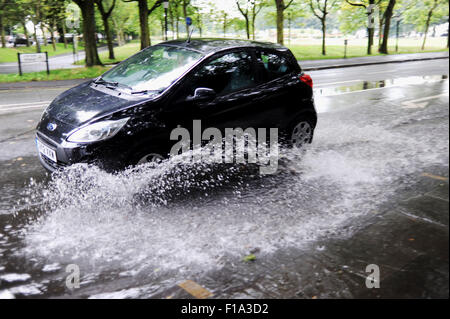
(46, 151)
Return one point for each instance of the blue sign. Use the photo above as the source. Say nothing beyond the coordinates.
(188, 21)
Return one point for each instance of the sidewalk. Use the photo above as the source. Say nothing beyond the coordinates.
(316, 65)
(60, 61)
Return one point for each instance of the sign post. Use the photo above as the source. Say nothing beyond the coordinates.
(32, 58)
(345, 48)
(20, 64)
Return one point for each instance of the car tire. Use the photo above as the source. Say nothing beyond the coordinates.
(299, 133)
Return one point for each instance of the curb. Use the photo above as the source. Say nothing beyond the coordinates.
(40, 84)
(338, 66)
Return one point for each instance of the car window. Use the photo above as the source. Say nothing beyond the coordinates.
(153, 69)
(275, 65)
(229, 73)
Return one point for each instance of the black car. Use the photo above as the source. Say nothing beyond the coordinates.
(125, 117)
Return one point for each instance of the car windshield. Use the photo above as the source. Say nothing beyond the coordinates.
(152, 69)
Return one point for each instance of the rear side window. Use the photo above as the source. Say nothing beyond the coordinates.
(276, 65)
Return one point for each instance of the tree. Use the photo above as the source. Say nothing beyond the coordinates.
(174, 13)
(321, 8)
(89, 33)
(280, 6)
(369, 8)
(244, 10)
(144, 12)
(426, 12)
(185, 4)
(387, 25)
(105, 16)
(3, 8)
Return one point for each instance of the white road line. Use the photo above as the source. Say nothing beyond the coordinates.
(24, 107)
(387, 71)
(24, 104)
(422, 102)
(331, 83)
(352, 92)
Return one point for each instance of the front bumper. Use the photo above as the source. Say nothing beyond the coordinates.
(106, 155)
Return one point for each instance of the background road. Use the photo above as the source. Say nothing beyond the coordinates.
(373, 189)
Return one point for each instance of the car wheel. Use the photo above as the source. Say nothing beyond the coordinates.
(150, 158)
(301, 133)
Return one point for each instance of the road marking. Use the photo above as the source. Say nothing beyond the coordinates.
(379, 72)
(319, 84)
(195, 289)
(422, 102)
(440, 178)
(23, 104)
(24, 107)
(352, 92)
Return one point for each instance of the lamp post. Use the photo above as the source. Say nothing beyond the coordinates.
(166, 6)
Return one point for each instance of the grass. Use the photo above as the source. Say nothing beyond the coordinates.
(120, 53)
(311, 49)
(314, 52)
(10, 54)
(62, 74)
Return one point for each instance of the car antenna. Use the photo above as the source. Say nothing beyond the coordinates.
(190, 35)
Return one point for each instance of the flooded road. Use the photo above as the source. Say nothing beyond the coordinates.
(141, 233)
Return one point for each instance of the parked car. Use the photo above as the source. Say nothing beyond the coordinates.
(20, 41)
(125, 116)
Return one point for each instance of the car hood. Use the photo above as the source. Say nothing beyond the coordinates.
(82, 103)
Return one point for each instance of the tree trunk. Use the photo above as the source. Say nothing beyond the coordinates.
(64, 33)
(25, 32)
(253, 27)
(90, 44)
(427, 25)
(280, 21)
(2, 33)
(52, 35)
(143, 23)
(247, 27)
(324, 34)
(370, 30)
(44, 36)
(185, 16)
(109, 39)
(224, 25)
(38, 45)
(387, 25)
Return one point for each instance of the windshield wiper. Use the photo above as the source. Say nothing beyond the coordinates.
(108, 84)
(145, 92)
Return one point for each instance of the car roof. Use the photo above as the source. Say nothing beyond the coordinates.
(211, 45)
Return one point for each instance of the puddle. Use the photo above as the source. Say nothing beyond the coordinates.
(369, 85)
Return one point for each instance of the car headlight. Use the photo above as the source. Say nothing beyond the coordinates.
(97, 132)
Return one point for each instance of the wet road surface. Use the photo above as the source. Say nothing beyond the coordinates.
(371, 189)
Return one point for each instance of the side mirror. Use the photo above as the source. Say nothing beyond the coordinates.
(203, 95)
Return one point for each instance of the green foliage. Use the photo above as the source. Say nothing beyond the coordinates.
(417, 13)
(351, 18)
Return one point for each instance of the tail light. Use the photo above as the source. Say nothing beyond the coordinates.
(306, 78)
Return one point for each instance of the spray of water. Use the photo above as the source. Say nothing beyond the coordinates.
(186, 218)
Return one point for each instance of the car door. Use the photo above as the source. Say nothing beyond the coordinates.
(280, 94)
(233, 78)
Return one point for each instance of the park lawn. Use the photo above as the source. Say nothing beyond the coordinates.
(120, 53)
(10, 54)
(314, 52)
(61, 74)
